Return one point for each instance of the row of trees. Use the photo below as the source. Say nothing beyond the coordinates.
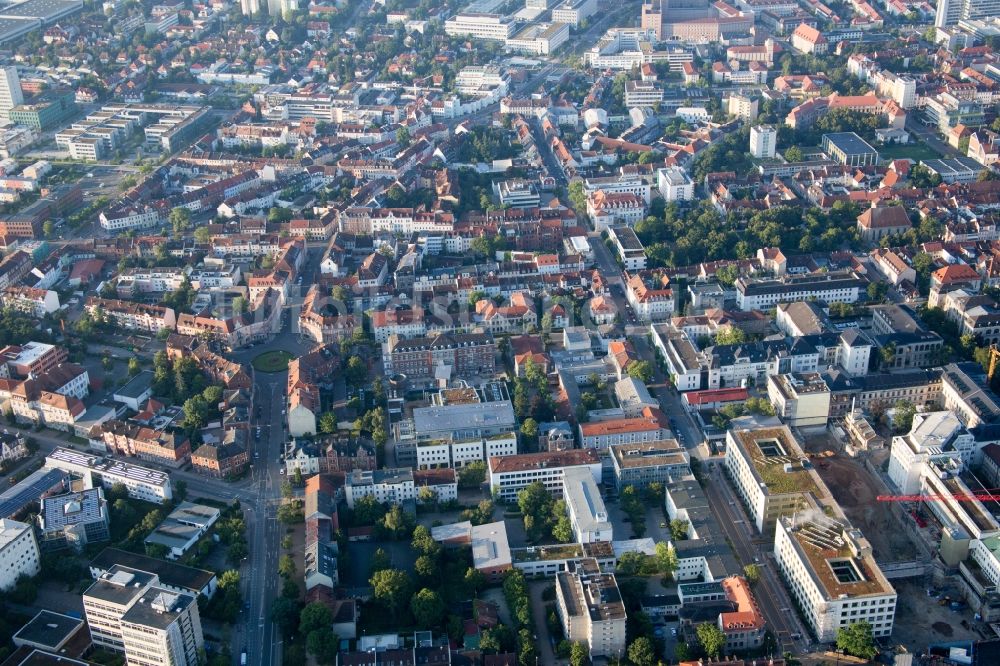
(543, 515)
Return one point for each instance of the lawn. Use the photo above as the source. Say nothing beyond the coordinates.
(914, 151)
(272, 361)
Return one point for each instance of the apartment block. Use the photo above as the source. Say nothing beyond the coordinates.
(590, 608)
(19, 554)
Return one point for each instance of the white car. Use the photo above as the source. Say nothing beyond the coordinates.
(281, 471)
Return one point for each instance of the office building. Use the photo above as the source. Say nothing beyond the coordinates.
(480, 26)
(18, 552)
(643, 463)
(950, 12)
(590, 608)
(142, 483)
(766, 293)
(510, 474)
(129, 612)
(763, 141)
(172, 576)
(770, 474)
(830, 572)
(802, 400)
(74, 520)
(10, 90)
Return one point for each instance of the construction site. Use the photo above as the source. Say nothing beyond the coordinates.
(901, 533)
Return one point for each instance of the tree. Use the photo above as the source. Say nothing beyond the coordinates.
(752, 573)
(356, 371)
(472, 475)
(641, 370)
(562, 530)
(877, 291)
(286, 566)
(285, 614)
(888, 353)
(202, 235)
(529, 429)
(180, 219)
(730, 335)
(134, 367)
(380, 561)
(579, 655)
(328, 423)
(666, 558)
(48, 228)
(314, 616)
(157, 550)
(427, 608)
(711, 638)
(857, 639)
(642, 652)
(793, 154)
(392, 588)
(323, 644)
(902, 419)
(535, 504)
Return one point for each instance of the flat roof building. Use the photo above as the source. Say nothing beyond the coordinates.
(74, 520)
(771, 474)
(829, 570)
(142, 483)
(587, 514)
(643, 463)
(591, 609)
(849, 149)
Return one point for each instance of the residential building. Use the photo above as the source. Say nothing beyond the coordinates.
(388, 486)
(628, 246)
(807, 39)
(829, 570)
(222, 460)
(19, 554)
(763, 142)
(591, 609)
(674, 184)
(441, 358)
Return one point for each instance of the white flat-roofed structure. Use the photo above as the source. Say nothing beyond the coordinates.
(587, 514)
(510, 474)
(388, 486)
(633, 396)
(933, 437)
(800, 399)
(490, 549)
(480, 25)
(830, 572)
(142, 483)
(182, 528)
(574, 12)
(19, 554)
(475, 419)
(674, 184)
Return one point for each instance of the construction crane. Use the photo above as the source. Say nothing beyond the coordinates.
(981, 497)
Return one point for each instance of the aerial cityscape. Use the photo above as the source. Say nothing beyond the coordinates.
(499, 333)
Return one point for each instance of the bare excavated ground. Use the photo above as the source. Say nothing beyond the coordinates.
(855, 489)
